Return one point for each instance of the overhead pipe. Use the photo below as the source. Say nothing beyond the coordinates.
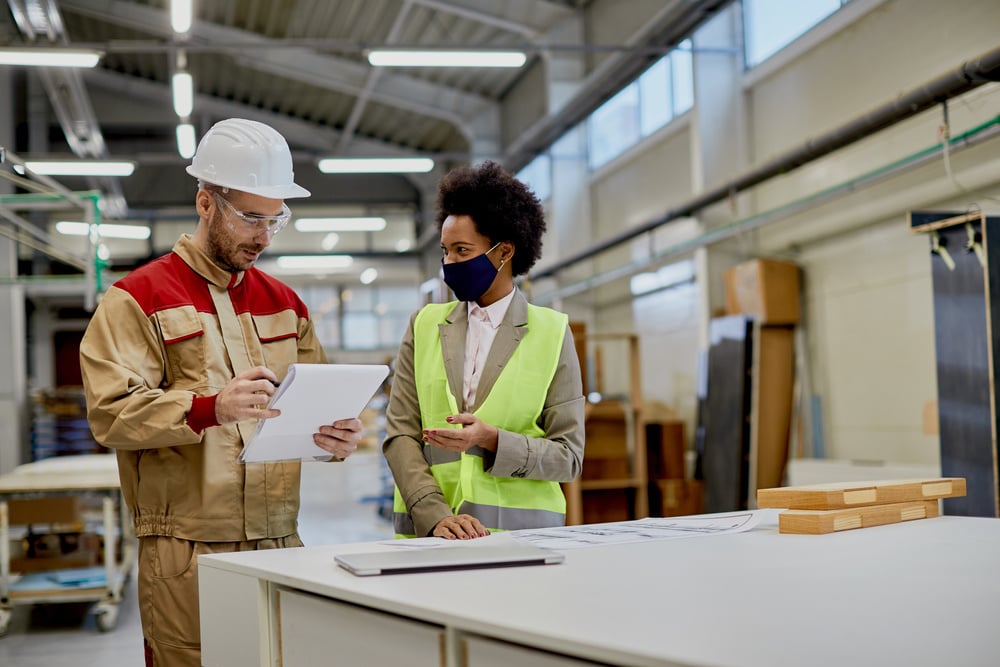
(968, 76)
(973, 137)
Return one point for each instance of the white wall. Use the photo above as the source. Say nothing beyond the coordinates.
(868, 312)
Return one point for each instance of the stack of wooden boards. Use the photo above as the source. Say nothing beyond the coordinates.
(828, 508)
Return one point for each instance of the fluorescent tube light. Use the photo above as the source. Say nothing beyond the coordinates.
(329, 241)
(340, 224)
(35, 57)
(314, 262)
(180, 15)
(108, 231)
(437, 58)
(183, 87)
(418, 165)
(186, 143)
(81, 167)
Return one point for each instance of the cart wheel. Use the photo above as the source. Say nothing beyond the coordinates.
(107, 616)
(5, 616)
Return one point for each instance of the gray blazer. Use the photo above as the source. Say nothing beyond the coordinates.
(557, 457)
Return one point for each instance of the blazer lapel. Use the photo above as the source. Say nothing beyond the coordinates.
(509, 334)
(453, 331)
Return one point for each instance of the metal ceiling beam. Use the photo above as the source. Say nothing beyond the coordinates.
(340, 74)
(531, 32)
(296, 132)
(361, 101)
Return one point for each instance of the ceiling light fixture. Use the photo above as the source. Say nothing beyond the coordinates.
(81, 167)
(186, 141)
(183, 89)
(314, 262)
(437, 58)
(107, 231)
(35, 57)
(330, 241)
(180, 15)
(368, 276)
(371, 224)
(417, 165)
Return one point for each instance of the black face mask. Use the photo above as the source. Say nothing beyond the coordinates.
(470, 279)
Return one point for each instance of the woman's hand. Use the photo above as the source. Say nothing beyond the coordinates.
(460, 527)
(474, 432)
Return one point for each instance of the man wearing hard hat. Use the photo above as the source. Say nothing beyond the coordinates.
(178, 364)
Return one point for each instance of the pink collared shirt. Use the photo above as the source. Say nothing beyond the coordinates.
(479, 337)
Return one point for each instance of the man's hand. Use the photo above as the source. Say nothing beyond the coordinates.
(474, 432)
(340, 438)
(246, 396)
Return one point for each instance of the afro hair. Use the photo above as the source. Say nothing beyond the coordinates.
(502, 208)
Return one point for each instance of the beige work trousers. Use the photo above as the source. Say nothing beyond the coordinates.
(168, 593)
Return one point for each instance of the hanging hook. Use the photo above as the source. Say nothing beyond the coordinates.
(938, 248)
(975, 243)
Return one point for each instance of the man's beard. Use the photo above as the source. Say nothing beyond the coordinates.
(224, 249)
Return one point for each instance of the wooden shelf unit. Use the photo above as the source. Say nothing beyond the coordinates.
(615, 452)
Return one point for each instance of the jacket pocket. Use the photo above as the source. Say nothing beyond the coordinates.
(279, 339)
(184, 345)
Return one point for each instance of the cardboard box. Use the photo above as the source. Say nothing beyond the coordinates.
(606, 449)
(765, 289)
(26, 564)
(50, 510)
(676, 497)
(665, 449)
(604, 505)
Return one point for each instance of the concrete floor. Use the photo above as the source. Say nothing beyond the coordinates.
(66, 635)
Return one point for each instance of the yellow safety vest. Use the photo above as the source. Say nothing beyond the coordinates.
(514, 404)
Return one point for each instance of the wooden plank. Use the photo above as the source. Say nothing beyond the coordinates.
(929, 221)
(821, 522)
(771, 412)
(859, 494)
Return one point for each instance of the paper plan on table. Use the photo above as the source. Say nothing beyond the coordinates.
(641, 530)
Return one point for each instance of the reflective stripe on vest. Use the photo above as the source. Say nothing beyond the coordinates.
(514, 404)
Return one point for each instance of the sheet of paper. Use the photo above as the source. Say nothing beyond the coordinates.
(597, 534)
(310, 396)
(641, 530)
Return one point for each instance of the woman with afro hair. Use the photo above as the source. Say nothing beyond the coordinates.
(485, 417)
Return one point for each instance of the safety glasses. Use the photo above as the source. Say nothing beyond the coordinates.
(272, 224)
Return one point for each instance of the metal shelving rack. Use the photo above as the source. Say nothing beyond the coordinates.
(61, 476)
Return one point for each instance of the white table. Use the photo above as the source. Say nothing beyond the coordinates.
(919, 593)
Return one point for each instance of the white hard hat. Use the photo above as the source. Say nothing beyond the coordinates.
(248, 156)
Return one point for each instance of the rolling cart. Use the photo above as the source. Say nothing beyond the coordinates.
(91, 475)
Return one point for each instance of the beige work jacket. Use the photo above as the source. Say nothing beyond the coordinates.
(162, 340)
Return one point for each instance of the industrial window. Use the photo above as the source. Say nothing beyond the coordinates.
(661, 93)
(771, 25)
(537, 174)
(375, 318)
(324, 308)
(360, 318)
